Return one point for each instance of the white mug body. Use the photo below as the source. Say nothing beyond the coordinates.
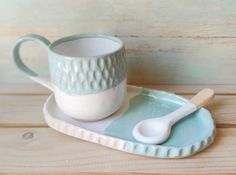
(92, 107)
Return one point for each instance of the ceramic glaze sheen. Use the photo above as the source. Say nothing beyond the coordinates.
(88, 73)
(189, 136)
(91, 107)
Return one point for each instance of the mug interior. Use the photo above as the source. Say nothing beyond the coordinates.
(86, 46)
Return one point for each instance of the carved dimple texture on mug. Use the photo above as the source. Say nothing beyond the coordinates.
(87, 75)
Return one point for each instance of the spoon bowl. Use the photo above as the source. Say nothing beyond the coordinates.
(152, 131)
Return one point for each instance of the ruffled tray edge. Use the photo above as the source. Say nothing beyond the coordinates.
(128, 146)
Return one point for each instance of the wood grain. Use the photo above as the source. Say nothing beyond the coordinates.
(35, 150)
(188, 18)
(154, 60)
(168, 42)
(20, 111)
(26, 111)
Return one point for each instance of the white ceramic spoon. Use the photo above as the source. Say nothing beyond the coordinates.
(157, 130)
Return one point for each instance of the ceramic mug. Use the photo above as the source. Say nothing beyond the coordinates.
(88, 73)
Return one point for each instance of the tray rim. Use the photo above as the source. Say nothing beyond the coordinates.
(157, 151)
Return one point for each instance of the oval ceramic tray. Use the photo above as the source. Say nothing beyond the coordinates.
(188, 136)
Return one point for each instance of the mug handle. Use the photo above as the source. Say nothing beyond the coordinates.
(20, 64)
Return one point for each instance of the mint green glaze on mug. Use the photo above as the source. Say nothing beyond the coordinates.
(87, 75)
(77, 75)
(16, 52)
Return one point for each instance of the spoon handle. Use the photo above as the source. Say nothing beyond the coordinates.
(202, 98)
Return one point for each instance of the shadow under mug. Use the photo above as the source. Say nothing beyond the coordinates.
(88, 73)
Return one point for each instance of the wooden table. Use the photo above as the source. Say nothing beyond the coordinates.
(28, 145)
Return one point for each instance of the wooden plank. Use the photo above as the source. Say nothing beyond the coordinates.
(181, 61)
(151, 60)
(20, 111)
(23, 88)
(36, 150)
(187, 18)
(26, 111)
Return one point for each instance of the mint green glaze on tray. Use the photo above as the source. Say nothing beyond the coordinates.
(149, 104)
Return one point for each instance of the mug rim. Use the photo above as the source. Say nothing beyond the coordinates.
(82, 36)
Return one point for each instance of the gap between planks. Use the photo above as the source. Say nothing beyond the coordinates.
(20, 111)
(36, 89)
(3, 125)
